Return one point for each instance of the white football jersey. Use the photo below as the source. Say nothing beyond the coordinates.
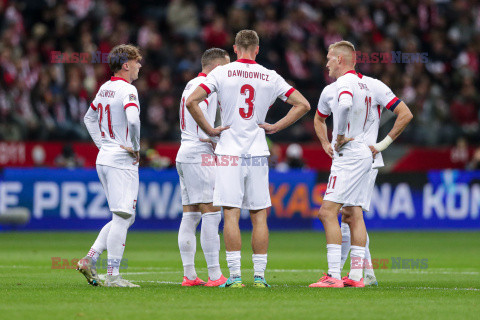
(191, 148)
(354, 85)
(381, 96)
(111, 101)
(245, 91)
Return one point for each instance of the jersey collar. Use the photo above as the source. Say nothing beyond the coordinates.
(355, 73)
(247, 61)
(201, 74)
(118, 78)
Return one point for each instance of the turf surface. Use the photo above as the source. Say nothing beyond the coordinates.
(449, 287)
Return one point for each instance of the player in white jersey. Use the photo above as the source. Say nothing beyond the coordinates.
(197, 180)
(382, 97)
(114, 124)
(245, 91)
(351, 104)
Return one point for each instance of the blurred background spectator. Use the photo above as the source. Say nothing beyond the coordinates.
(42, 100)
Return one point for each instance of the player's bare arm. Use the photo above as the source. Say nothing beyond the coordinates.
(404, 116)
(321, 131)
(300, 106)
(192, 105)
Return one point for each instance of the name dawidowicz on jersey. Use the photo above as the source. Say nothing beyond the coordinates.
(225, 160)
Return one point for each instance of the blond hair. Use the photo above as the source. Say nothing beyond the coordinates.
(246, 39)
(347, 45)
(121, 54)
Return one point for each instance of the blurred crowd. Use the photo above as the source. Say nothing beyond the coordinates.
(43, 99)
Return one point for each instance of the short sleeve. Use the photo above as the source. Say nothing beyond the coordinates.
(323, 108)
(94, 104)
(282, 89)
(131, 98)
(385, 97)
(211, 83)
(344, 86)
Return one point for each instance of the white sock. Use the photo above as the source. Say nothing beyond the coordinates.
(345, 243)
(356, 263)
(368, 267)
(100, 243)
(334, 258)
(234, 263)
(116, 242)
(210, 241)
(187, 242)
(259, 264)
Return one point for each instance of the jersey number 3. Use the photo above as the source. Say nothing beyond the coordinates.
(109, 119)
(247, 113)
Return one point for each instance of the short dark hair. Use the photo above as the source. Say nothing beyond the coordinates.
(211, 55)
(121, 54)
(246, 39)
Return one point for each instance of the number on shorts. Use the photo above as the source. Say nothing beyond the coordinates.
(331, 181)
(248, 100)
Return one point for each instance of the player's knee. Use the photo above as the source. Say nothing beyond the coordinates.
(346, 217)
(323, 213)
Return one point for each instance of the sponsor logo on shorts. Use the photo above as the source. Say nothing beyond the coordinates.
(134, 204)
(245, 160)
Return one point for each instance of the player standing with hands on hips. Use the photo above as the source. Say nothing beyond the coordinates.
(352, 177)
(245, 91)
(197, 182)
(380, 96)
(113, 122)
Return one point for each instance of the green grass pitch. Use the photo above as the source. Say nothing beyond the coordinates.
(448, 288)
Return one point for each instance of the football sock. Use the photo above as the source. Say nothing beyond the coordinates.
(357, 257)
(116, 242)
(368, 260)
(187, 242)
(210, 241)
(234, 263)
(345, 243)
(259, 264)
(100, 244)
(334, 258)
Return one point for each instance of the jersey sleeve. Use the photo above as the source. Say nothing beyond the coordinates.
(385, 97)
(323, 108)
(344, 86)
(131, 98)
(282, 89)
(212, 81)
(93, 104)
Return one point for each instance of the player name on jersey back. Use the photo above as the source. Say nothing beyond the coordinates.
(111, 101)
(377, 97)
(245, 91)
(191, 148)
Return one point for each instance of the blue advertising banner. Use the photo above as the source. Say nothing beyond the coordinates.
(60, 199)
(74, 199)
